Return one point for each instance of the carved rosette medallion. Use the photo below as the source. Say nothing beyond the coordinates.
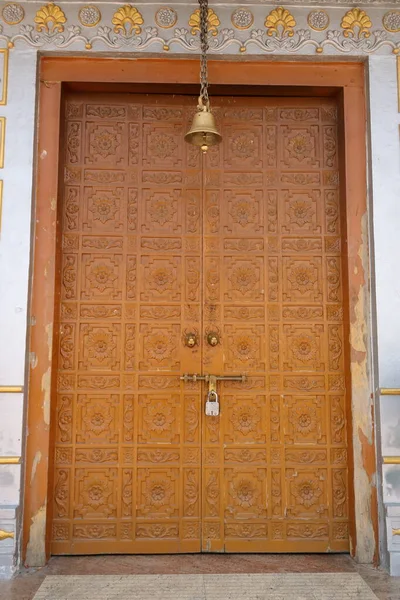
(391, 21)
(242, 18)
(89, 16)
(13, 13)
(166, 17)
(318, 20)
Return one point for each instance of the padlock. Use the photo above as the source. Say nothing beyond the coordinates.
(212, 404)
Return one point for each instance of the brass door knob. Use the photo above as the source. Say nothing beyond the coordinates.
(213, 338)
(191, 340)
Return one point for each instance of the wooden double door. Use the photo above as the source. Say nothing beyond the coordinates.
(158, 243)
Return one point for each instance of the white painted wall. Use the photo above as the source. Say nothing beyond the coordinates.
(15, 242)
(385, 167)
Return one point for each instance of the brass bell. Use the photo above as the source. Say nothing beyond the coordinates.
(203, 131)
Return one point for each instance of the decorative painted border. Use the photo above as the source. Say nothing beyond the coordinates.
(4, 76)
(127, 28)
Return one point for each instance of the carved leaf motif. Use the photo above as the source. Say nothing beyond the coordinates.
(212, 494)
(191, 493)
(191, 419)
(61, 494)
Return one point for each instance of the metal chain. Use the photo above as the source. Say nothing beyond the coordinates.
(204, 47)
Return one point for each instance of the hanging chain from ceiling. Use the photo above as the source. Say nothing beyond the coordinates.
(204, 47)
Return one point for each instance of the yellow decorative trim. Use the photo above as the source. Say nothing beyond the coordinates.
(2, 140)
(280, 22)
(391, 460)
(213, 22)
(395, 531)
(127, 19)
(8, 389)
(10, 460)
(356, 23)
(390, 391)
(4, 77)
(50, 18)
(5, 535)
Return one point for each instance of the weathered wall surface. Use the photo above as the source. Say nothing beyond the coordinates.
(254, 30)
(385, 121)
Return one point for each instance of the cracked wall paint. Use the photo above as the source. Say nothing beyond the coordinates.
(46, 389)
(363, 429)
(35, 552)
(36, 461)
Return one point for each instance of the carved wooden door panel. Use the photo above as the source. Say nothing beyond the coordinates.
(157, 243)
(275, 473)
(127, 433)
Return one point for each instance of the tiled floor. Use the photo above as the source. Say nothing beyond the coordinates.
(25, 585)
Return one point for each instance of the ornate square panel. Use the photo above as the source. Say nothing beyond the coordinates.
(245, 419)
(162, 145)
(302, 279)
(244, 212)
(99, 347)
(162, 211)
(301, 212)
(303, 348)
(103, 210)
(159, 419)
(307, 493)
(243, 147)
(245, 348)
(244, 279)
(158, 347)
(96, 493)
(97, 419)
(305, 419)
(160, 279)
(101, 276)
(245, 493)
(300, 146)
(104, 144)
(157, 492)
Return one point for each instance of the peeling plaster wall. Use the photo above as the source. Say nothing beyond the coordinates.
(385, 146)
(15, 239)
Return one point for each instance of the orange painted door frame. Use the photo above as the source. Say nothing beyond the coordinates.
(346, 78)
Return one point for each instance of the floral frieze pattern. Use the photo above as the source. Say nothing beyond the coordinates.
(279, 30)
